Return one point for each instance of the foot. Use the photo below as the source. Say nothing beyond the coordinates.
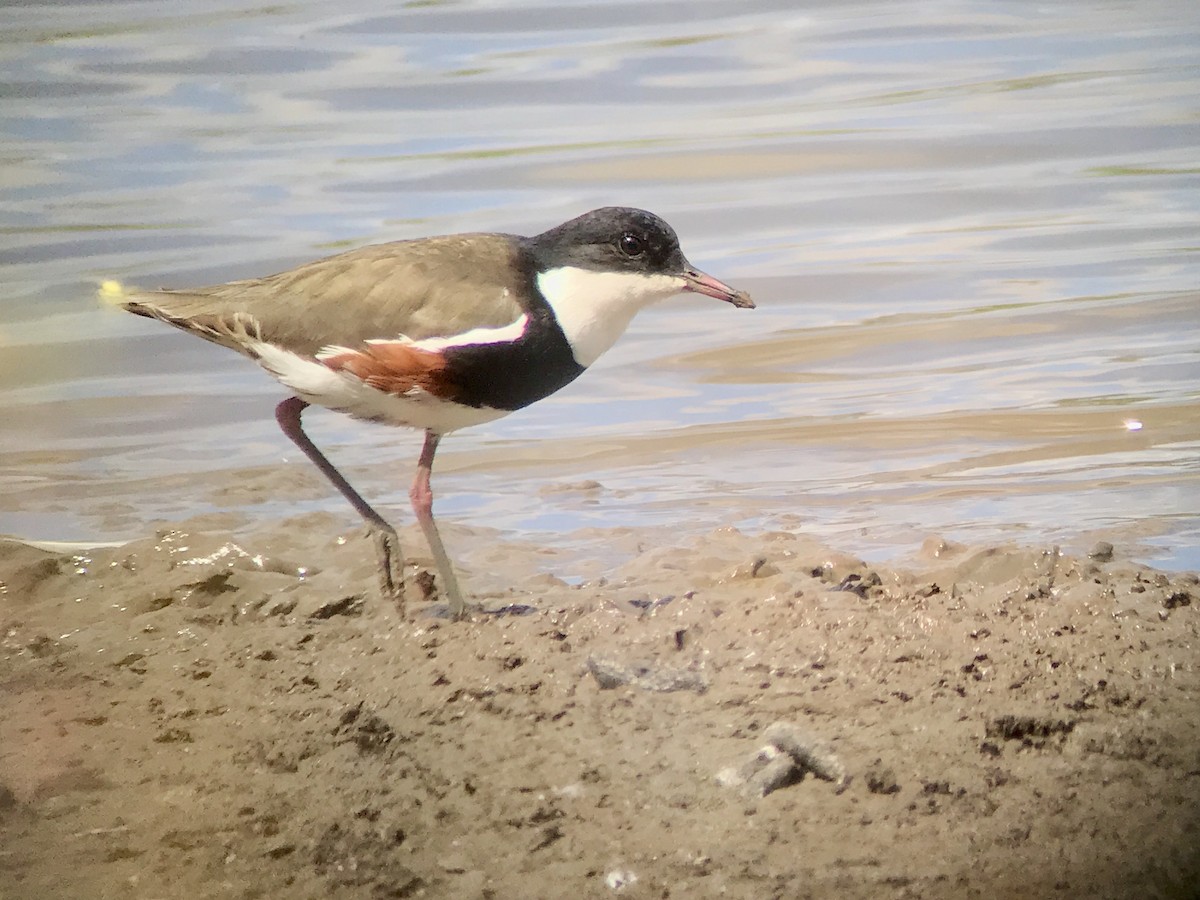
(444, 604)
(391, 563)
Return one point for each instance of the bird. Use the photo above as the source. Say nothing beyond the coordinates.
(437, 334)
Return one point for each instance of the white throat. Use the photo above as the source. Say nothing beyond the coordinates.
(593, 309)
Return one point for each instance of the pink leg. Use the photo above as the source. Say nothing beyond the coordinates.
(421, 495)
(387, 544)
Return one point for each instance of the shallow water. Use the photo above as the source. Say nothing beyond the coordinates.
(971, 230)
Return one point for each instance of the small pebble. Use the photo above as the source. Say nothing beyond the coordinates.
(618, 879)
(789, 753)
(808, 752)
(612, 674)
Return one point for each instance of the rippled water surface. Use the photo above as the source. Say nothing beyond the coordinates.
(971, 228)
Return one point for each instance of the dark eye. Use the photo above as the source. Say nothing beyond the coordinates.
(631, 245)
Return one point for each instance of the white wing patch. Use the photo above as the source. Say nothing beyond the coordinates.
(505, 334)
(593, 309)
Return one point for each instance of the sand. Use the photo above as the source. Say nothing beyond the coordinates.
(742, 716)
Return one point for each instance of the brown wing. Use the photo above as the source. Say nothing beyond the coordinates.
(432, 287)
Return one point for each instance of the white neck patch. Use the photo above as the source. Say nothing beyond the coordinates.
(593, 309)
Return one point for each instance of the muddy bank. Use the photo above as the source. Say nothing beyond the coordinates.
(185, 717)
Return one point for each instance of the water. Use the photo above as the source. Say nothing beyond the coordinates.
(971, 229)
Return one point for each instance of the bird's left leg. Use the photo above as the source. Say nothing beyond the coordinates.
(387, 544)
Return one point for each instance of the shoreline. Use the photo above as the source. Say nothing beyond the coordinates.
(183, 718)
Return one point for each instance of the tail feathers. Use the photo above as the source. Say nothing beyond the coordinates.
(238, 331)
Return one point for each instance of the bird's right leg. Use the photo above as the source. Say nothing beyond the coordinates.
(421, 495)
(387, 543)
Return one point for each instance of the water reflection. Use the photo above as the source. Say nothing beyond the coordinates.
(970, 229)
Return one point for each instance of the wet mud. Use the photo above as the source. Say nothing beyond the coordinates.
(733, 715)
